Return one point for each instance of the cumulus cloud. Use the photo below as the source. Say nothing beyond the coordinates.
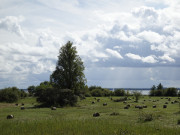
(149, 59)
(11, 24)
(151, 37)
(167, 58)
(114, 53)
(104, 36)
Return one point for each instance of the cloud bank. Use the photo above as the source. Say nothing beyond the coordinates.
(108, 36)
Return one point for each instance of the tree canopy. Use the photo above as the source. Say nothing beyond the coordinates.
(69, 69)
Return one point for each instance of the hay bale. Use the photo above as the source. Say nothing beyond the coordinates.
(126, 107)
(22, 107)
(140, 107)
(10, 116)
(154, 106)
(164, 106)
(53, 108)
(104, 104)
(96, 114)
(93, 102)
(124, 102)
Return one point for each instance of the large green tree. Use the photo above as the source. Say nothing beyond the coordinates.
(69, 70)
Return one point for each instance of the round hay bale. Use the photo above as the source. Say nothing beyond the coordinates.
(104, 104)
(154, 106)
(53, 108)
(96, 114)
(93, 102)
(164, 106)
(126, 107)
(10, 116)
(22, 107)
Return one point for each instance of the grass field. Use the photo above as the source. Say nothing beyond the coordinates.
(79, 120)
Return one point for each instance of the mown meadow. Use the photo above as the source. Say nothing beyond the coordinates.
(79, 120)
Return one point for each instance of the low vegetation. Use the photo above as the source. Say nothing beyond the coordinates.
(112, 119)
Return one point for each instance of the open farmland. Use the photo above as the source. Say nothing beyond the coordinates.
(79, 120)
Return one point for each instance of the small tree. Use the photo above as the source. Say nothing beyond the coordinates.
(31, 90)
(160, 87)
(137, 95)
(119, 92)
(69, 70)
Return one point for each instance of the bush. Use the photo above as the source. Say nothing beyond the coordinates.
(120, 100)
(119, 92)
(97, 93)
(137, 95)
(171, 92)
(9, 95)
(106, 92)
(57, 97)
(87, 94)
(145, 117)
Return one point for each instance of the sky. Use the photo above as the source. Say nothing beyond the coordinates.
(123, 43)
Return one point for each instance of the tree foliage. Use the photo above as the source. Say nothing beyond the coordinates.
(160, 91)
(119, 92)
(11, 94)
(69, 70)
(137, 95)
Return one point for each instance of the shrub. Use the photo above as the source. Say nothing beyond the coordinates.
(171, 92)
(114, 114)
(97, 93)
(119, 92)
(137, 95)
(106, 92)
(145, 117)
(87, 94)
(57, 97)
(10, 95)
(120, 100)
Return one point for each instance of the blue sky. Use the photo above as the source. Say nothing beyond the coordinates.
(123, 43)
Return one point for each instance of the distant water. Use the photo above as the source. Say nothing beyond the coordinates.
(144, 91)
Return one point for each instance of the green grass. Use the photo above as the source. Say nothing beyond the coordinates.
(79, 120)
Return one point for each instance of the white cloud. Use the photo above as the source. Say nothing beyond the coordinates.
(11, 23)
(167, 58)
(133, 56)
(149, 59)
(105, 32)
(114, 53)
(151, 36)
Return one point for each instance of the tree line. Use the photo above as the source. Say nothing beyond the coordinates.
(159, 90)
